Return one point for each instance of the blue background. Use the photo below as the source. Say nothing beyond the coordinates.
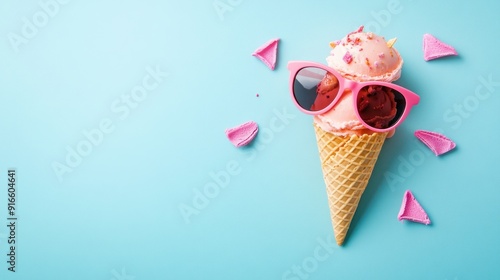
(117, 214)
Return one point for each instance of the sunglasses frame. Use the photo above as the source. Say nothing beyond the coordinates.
(411, 98)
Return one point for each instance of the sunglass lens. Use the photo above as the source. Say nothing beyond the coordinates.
(314, 88)
(380, 106)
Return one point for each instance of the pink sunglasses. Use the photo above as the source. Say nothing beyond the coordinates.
(316, 88)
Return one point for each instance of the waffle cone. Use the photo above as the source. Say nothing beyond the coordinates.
(347, 163)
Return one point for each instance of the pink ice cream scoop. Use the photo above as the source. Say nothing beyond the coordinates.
(360, 57)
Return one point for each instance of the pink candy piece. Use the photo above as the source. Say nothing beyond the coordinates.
(268, 53)
(438, 143)
(412, 211)
(347, 58)
(243, 134)
(433, 48)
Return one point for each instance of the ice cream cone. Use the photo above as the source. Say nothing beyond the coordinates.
(347, 163)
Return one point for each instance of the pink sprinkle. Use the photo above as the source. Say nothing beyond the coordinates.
(381, 55)
(376, 63)
(257, 95)
(439, 144)
(243, 134)
(360, 29)
(347, 58)
(411, 210)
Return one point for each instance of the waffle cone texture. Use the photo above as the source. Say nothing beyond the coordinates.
(347, 163)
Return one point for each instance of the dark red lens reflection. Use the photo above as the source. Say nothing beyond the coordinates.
(380, 106)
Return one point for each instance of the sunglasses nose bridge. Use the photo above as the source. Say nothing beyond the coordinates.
(350, 85)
